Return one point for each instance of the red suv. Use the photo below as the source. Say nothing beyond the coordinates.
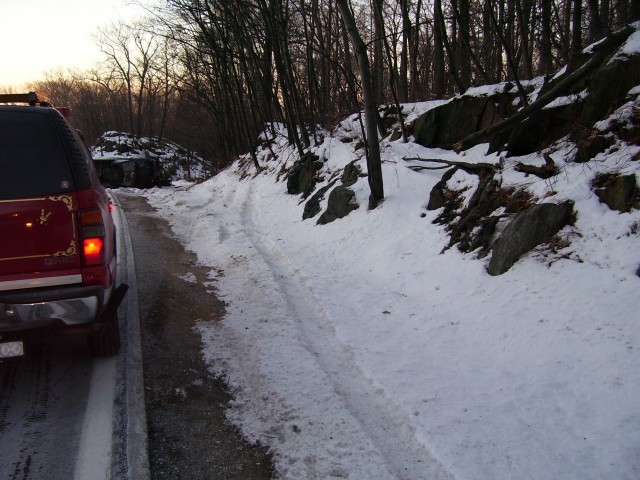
(57, 236)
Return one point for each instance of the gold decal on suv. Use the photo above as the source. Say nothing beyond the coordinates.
(44, 217)
(66, 199)
(68, 252)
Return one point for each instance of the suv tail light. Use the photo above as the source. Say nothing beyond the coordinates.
(92, 234)
(93, 249)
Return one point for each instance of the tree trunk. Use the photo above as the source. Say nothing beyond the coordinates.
(438, 54)
(403, 90)
(576, 37)
(447, 47)
(545, 65)
(374, 163)
(510, 61)
(377, 74)
(523, 13)
(597, 29)
(465, 53)
(413, 55)
(634, 11)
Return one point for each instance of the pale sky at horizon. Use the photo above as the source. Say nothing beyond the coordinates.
(37, 36)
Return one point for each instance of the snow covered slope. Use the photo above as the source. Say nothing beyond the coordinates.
(361, 350)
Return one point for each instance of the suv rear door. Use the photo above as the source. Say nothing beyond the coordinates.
(39, 242)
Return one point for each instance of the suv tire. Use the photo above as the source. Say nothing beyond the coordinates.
(106, 342)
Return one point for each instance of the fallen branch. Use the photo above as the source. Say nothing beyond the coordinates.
(547, 171)
(418, 168)
(480, 169)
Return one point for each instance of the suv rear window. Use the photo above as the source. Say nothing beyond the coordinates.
(32, 158)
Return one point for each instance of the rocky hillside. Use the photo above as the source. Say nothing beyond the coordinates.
(175, 162)
(520, 162)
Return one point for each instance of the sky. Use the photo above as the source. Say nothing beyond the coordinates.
(43, 35)
(360, 349)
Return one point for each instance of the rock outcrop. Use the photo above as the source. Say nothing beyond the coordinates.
(598, 84)
(342, 201)
(443, 126)
(302, 175)
(619, 193)
(527, 230)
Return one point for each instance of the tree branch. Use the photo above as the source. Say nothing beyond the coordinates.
(480, 169)
(548, 170)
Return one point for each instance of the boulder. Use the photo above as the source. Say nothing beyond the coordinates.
(395, 135)
(446, 124)
(485, 200)
(527, 230)
(609, 87)
(312, 207)
(302, 175)
(473, 225)
(342, 201)
(440, 191)
(351, 173)
(620, 193)
(590, 143)
(538, 131)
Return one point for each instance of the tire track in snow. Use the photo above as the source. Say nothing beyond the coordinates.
(386, 427)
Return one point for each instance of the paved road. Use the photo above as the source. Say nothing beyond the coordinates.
(42, 409)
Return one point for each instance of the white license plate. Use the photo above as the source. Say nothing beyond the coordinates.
(11, 349)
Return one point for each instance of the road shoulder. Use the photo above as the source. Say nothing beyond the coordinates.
(189, 436)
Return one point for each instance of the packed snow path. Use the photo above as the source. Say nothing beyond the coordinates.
(331, 408)
(362, 412)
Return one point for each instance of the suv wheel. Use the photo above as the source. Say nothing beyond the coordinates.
(106, 342)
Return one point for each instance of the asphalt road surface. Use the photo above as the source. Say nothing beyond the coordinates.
(42, 407)
(187, 433)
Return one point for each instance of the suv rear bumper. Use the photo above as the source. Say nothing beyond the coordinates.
(30, 310)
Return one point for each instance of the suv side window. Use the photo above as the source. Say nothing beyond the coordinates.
(32, 158)
(86, 156)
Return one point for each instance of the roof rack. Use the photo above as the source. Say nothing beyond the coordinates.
(30, 98)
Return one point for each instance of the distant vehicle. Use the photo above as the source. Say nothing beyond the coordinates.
(58, 240)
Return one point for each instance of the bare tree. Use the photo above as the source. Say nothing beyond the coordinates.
(462, 87)
(130, 51)
(439, 85)
(374, 163)
(545, 66)
(245, 64)
(597, 25)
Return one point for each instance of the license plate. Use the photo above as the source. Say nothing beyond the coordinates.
(11, 349)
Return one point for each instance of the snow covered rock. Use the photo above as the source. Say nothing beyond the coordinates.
(342, 201)
(527, 230)
(302, 176)
(620, 193)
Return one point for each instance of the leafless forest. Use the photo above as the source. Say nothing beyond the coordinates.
(210, 74)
